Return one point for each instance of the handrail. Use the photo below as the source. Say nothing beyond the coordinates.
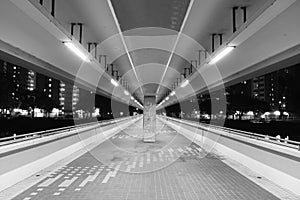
(270, 139)
(39, 134)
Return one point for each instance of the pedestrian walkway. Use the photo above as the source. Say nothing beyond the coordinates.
(124, 167)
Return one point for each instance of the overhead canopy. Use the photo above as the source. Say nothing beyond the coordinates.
(152, 44)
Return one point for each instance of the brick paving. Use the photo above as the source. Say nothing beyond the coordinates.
(124, 167)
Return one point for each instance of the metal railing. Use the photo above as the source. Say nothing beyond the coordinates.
(270, 139)
(29, 136)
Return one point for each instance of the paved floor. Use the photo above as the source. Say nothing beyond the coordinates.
(125, 167)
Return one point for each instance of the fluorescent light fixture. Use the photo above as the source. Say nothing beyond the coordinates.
(173, 93)
(114, 82)
(185, 83)
(77, 51)
(222, 54)
(126, 93)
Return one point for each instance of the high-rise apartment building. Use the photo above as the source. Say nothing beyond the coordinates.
(48, 86)
(68, 97)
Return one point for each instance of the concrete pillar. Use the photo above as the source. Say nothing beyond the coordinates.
(149, 119)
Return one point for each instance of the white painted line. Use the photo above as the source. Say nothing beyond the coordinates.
(133, 164)
(128, 168)
(116, 171)
(107, 177)
(33, 193)
(56, 193)
(160, 157)
(27, 198)
(61, 189)
(40, 189)
(90, 178)
(77, 189)
(67, 183)
(148, 158)
(141, 164)
(50, 181)
(111, 165)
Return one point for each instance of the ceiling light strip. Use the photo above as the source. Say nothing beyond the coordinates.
(77, 51)
(123, 41)
(176, 42)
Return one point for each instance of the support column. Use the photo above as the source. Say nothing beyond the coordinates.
(149, 119)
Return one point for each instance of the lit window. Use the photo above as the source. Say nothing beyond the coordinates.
(49, 95)
(50, 85)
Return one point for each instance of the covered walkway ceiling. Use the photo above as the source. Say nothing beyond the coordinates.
(150, 43)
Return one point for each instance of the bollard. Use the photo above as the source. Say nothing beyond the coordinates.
(15, 135)
(278, 138)
(286, 139)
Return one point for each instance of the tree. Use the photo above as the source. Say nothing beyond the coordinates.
(86, 102)
(29, 101)
(243, 103)
(44, 102)
(6, 89)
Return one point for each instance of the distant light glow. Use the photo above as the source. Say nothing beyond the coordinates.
(167, 98)
(250, 113)
(185, 83)
(132, 98)
(126, 93)
(114, 82)
(286, 113)
(277, 113)
(77, 51)
(222, 54)
(173, 93)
